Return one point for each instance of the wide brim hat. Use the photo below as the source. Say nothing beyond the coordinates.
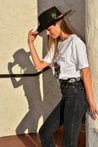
(50, 17)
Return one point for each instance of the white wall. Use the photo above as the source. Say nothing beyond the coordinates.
(91, 28)
(18, 95)
(26, 102)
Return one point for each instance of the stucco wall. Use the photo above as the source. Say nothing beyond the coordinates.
(18, 104)
(92, 47)
(26, 102)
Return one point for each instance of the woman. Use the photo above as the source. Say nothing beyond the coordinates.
(68, 59)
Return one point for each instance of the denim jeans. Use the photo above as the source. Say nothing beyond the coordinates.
(69, 112)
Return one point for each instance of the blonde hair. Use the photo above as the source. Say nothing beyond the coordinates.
(50, 41)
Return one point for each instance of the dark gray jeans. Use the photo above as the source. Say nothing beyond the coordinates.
(69, 112)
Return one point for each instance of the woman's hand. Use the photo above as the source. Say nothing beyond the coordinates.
(93, 109)
(32, 36)
(10, 66)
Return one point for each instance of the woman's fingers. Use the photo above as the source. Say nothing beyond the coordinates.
(94, 111)
(94, 115)
(33, 32)
(32, 35)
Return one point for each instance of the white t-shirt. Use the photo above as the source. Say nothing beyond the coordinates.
(71, 57)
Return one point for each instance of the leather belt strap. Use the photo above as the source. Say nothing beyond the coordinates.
(70, 80)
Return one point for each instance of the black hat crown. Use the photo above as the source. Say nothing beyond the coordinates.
(49, 17)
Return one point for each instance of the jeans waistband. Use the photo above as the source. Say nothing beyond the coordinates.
(70, 80)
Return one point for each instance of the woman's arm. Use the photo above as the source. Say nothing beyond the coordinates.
(88, 89)
(37, 62)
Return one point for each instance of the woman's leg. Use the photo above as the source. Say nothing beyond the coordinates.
(52, 123)
(75, 107)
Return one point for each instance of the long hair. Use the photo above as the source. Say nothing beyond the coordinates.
(54, 42)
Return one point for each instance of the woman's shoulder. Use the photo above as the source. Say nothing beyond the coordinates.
(75, 38)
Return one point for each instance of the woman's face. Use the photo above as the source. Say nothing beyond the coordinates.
(54, 30)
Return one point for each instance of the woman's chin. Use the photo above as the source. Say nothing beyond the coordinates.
(54, 37)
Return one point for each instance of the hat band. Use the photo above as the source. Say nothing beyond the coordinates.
(59, 16)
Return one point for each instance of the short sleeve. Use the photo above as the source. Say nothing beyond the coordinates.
(79, 55)
(49, 56)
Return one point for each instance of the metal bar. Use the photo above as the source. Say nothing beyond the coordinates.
(23, 75)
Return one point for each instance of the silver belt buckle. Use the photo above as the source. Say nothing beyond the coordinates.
(72, 80)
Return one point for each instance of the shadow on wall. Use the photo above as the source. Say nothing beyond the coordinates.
(31, 90)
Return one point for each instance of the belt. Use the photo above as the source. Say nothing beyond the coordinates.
(70, 80)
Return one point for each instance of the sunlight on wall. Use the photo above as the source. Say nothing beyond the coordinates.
(92, 46)
(41, 86)
(40, 122)
(17, 18)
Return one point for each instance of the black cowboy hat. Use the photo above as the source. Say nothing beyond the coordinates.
(50, 17)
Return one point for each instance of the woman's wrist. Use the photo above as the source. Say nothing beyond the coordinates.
(30, 42)
(31, 45)
(90, 101)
